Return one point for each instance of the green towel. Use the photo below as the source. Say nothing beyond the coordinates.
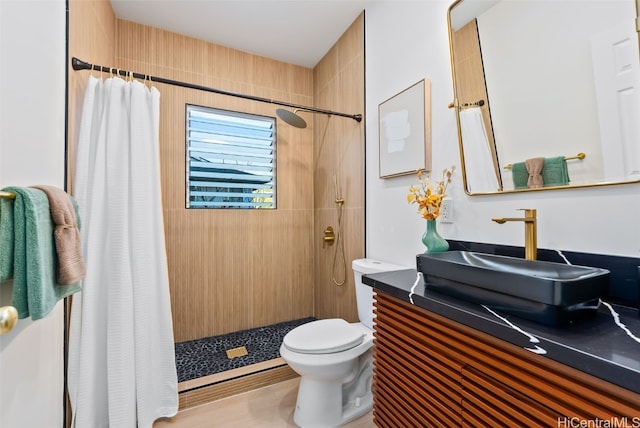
(555, 172)
(35, 291)
(6, 239)
(520, 175)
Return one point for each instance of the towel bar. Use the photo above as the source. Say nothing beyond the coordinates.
(580, 156)
(7, 195)
(480, 103)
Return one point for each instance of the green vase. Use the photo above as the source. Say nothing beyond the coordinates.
(432, 239)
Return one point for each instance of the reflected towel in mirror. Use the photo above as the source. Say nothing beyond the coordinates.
(520, 175)
(534, 168)
(555, 172)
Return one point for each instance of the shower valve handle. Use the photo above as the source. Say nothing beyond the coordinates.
(329, 237)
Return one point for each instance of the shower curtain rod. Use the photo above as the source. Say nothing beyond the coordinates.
(78, 64)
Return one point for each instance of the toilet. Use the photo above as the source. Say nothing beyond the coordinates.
(334, 359)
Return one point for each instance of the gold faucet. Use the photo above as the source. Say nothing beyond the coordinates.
(530, 231)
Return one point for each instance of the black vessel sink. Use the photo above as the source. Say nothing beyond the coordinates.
(545, 292)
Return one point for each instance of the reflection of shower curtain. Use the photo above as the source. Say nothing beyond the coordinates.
(478, 160)
(121, 352)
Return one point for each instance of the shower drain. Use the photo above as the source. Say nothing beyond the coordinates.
(237, 352)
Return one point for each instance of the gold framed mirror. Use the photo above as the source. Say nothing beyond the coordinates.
(546, 93)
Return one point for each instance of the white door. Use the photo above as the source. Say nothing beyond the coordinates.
(616, 68)
(32, 120)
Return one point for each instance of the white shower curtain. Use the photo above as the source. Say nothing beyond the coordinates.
(121, 351)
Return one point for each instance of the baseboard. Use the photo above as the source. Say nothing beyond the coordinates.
(201, 391)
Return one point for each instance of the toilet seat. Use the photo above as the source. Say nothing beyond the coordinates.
(323, 337)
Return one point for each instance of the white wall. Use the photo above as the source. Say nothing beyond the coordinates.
(407, 41)
(32, 119)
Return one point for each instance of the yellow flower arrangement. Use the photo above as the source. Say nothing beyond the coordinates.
(429, 196)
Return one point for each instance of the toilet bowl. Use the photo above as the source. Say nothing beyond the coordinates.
(334, 359)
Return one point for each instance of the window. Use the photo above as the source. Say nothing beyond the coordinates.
(230, 159)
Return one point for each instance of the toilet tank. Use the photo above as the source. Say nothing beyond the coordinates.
(364, 293)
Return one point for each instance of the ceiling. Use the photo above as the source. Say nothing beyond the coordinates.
(298, 32)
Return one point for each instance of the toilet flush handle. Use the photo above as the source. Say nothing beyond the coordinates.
(329, 237)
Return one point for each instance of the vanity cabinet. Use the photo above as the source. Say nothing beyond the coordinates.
(431, 371)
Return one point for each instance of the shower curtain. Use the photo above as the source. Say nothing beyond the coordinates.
(121, 350)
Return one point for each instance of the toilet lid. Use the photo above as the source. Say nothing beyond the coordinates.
(323, 337)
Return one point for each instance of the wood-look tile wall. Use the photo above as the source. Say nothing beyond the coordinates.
(339, 152)
(229, 270)
(92, 26)
(234, 269)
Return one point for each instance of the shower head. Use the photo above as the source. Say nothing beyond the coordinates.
(291, 117)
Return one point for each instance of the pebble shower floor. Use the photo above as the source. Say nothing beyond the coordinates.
(207, 356)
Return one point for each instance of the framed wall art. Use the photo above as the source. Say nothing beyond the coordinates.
(404, 129)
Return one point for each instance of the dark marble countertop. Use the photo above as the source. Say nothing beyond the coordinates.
(606, 346)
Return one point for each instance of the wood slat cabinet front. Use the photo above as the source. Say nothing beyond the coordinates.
(430, 371)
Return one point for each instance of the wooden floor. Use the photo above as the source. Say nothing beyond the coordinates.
(268, 407)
